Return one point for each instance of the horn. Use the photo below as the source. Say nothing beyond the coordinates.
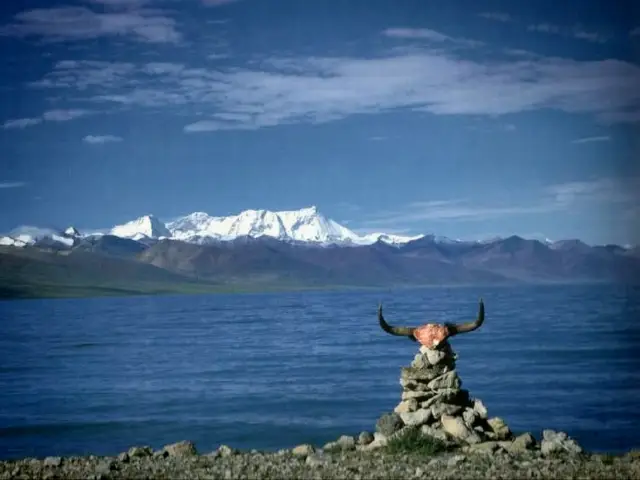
(468, 326)
(401, 331)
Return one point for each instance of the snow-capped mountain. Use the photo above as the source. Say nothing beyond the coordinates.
(144, 227)
(28, 235)
(306, 225)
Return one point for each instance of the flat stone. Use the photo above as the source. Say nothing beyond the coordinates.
(379, 440)
(389, 423)
(52, 461)
(434, 432)
(469, 416)
(409, 405)
(522, 443)
(434, 357)
(184, 448)
(449, 380)
(439, 409)
(499, 428)
(346, 442)
(455, 427)
(365, 438)
(316, 460)
(422, 374)
(105, 468)
(483, 447)
(140, 452)
(553, 441)
(442, 396)
(417, 418)
(331, 447)
(418, 395)
(420, 361)
(480, 409)
(225, 451)
(455, 460)
(303, 450)
(414, 385)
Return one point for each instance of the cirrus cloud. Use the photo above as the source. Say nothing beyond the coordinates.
(285, 90)
(79, 23)
(101, 139)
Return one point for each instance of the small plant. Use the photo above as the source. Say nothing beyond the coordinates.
(412, 440)
(607, 459)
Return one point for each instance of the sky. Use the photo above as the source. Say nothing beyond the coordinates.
(466, 118)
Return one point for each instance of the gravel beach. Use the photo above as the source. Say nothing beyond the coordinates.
(306, 462)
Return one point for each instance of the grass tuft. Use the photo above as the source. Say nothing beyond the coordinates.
(412, 440)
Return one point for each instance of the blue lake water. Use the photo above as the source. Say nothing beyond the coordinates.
(271, 371)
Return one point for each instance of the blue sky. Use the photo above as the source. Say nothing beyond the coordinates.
(465, 118)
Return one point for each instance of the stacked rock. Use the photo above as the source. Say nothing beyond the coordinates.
(432, 399)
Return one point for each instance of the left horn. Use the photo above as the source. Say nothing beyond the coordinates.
(401, 331)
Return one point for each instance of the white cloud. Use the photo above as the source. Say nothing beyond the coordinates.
(218, 3)
(452, 210)
(4, 185)
(602, 190)
(62, 115)
(100, 139)
(554, 198)
(321, 89)
(59, 115)
(429, 35)
(497, 16)
(602, 138)
(576, 31)
(416, 33)
(21, 123)
(79, 23)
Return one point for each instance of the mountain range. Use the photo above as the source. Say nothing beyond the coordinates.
(261, 249)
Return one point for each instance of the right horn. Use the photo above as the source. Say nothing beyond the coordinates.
(401, 331)
(455, 329)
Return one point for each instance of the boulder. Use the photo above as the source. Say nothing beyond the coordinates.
(405, 406)
(365, 438)
(558, 442)
(303, 450)
(181, 449)
(417, 418)
(499, 428)
(389, 423)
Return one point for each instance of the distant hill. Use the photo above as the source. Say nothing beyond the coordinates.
(112, 265)
(33, 272)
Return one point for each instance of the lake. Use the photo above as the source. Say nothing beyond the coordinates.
(271, 371)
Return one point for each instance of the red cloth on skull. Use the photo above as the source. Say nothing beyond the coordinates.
(431, 335)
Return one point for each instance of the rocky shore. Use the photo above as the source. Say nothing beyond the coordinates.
(306, 462)
(438, 430)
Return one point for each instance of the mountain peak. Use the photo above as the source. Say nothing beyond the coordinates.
(146, 226)
(72, 232)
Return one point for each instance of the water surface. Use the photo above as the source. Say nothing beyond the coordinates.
(270, 371)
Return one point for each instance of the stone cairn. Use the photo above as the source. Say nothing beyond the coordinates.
(432, 399)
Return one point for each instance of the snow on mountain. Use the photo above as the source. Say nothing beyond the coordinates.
(147, 226)
(29, 235)
(72, 232)
(309, 225)
(306, 225)
(11, 242)
(388, 238)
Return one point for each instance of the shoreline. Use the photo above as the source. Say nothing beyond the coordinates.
(347, 457)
